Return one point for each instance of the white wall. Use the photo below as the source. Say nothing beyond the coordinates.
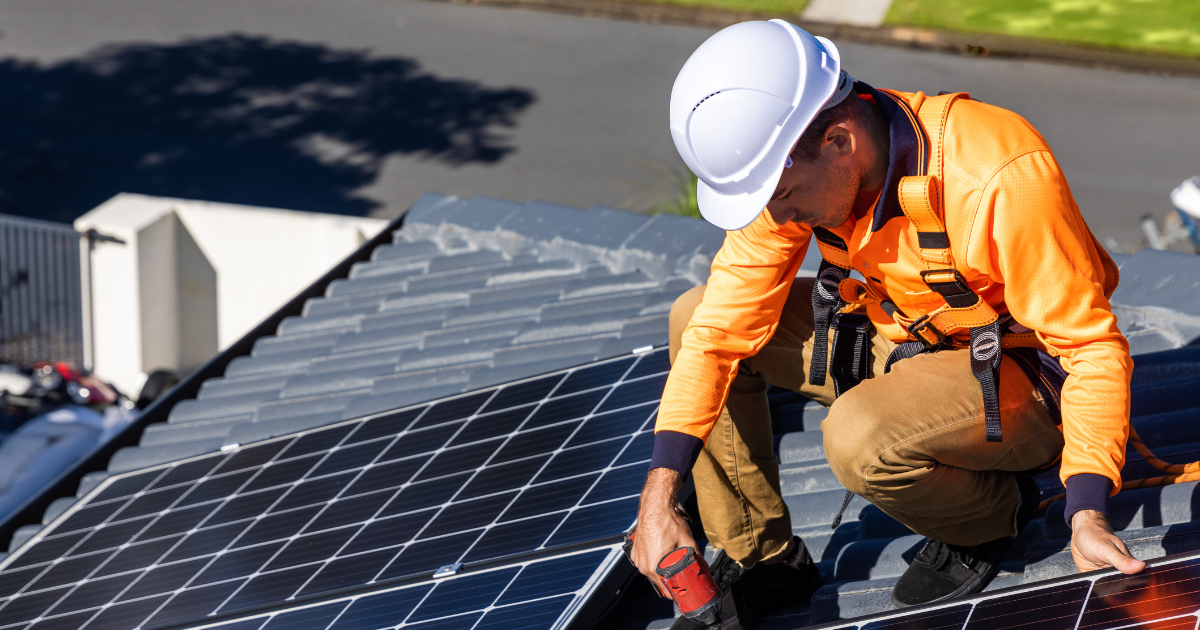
(261, 257)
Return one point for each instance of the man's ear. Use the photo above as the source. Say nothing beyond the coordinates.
(840, 139)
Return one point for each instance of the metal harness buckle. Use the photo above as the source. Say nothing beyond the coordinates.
(919, 328)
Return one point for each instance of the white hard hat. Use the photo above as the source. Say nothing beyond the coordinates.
(740, 103)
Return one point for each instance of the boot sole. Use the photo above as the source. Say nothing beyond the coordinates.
(972, 586)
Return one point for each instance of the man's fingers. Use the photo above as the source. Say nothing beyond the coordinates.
(1116, 554)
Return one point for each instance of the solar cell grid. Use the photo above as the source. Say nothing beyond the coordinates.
(521, 596)
(392, 496)
(1165, 596)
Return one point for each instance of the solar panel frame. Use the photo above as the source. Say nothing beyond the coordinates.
(204, 502)
(1095, 594)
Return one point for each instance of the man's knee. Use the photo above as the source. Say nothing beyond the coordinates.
(851, 436)
(681, 314)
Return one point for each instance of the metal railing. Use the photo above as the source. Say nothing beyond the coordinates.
(41, 305)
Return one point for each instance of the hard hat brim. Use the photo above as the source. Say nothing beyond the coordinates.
(734, 212)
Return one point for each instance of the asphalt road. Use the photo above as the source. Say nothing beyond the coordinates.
(358, 106)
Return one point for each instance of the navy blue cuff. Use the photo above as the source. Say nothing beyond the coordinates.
(1087, 491)
(675, 450)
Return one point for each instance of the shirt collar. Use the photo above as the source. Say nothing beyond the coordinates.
(906, 151)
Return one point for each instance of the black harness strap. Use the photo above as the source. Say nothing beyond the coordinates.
(826, 301)
(985, 363)
(850, 362)
(906, 350)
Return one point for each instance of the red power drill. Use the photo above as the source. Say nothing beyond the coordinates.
(684, 578)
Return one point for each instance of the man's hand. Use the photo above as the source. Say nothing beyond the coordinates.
(1094, 546)
(659, 529)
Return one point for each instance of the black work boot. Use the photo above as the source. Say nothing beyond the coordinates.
(747, 594)
(942, 571)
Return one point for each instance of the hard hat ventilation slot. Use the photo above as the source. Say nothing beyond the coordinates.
(705, 99)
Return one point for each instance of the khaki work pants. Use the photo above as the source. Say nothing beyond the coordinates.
(910, 441)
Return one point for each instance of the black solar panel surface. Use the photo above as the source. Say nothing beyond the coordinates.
(1166, 596)
(531, 466)
(535, 594)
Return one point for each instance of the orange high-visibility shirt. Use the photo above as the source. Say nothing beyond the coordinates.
(1017, 237)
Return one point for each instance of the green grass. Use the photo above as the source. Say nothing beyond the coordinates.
(1171, 26)
(774, 7)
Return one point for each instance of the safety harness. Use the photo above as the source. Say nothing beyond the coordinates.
(837, 297)
(839, 301)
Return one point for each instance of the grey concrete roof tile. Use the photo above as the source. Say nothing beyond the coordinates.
(541, 221)
(348, 362)
(817, 509)
(407, 318)
(620, 306)
(245, 366)
(520, 309)
(482, 258)
(333, 382)
(570, 327)
(564, 349)
(90, 481)
(623, 283)
(676, 236)
(23, 534)
(450, 355)
(653, 326)
(264, 346)
(434, 298)
(873, 559)
(395, 269)
(604, 227)
(250, 432)
(420, 251)
(546, 289)
(57, 508)
(318, 307)
(843, 600)
(467, 335)
(222, 407)
(319, 323)
(284, 409)
(224, 387)
(806, 480)
(480, 213)
(457, 375)
(166, 433)
(431, 207)
(365, 286)
(399, 338)
(461, 280)
(532, 271)
(801, 446)
(133, 458)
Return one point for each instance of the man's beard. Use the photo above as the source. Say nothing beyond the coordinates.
(841, 191)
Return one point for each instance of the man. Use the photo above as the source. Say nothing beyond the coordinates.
(962, 226)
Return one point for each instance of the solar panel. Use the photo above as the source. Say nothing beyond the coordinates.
(535, 594)
(479, 479)
(1166, 596)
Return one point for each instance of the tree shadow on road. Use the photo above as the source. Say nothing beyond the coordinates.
(235, 119)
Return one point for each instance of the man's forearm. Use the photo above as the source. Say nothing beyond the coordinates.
(661, 491)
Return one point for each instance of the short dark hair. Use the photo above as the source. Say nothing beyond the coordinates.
(853, 108)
